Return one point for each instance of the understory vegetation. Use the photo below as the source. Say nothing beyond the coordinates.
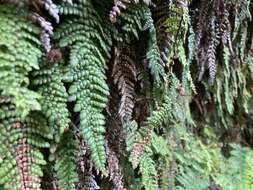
(126, 95)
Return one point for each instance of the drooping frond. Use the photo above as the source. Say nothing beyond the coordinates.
(19, 54)
(65, 162)
(86, 71)
(55, 97)
(120, 5)
(153, 55)
(87, 180)
(124, 76)
(21, 160)
(141, 155)
(114, 169)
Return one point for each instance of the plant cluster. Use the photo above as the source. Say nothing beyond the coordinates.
(126, 95)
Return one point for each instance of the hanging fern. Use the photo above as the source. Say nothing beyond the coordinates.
(86, 71)
(21, 160)
(19, 54)
(124, 74)
(65, 162)
(126, 94)
(55, 97)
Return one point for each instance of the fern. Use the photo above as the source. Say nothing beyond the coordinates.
(86, 71)
(122, 4)
(141, 155)
(55, 97)
(19, 54)
(239, 168)
(124, 74)
(153, 55)
(65, 162)
(21, 160)
(114, 169)
(180, 82)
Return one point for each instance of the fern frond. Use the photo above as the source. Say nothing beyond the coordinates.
(114, 169)
(54, 98)
(148, 172)
(124, 75)
(21, 160)
(242, 10)
(211, 53)
(122, 4)
(19, 54)
(171, 110)
(65, 162)
(86, 71)
(153, 55)
(142, 156)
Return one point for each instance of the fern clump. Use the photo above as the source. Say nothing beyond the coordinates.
(236, 172)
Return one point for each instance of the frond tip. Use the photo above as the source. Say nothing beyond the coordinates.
(21, 160)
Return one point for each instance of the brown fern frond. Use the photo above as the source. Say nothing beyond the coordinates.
(84, 167)
(202, 21)
(116, 9)
(114, 170)
(24, 160)
(211, 53)
(213, 27)
(120, 5)
(124, 75)
(139, 147)
(115, 130)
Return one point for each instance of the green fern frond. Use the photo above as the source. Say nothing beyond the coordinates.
(86, 71)
(171, 110)
(65, 159)
(236, 172)
(153, 55)
(19, 54)
(54, 98)
(148, 172)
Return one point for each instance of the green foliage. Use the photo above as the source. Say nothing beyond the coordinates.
(86, 71)
(236, 172)
(21, 159)
(55, 97)
(19, 54)
(168, 84)
(65, 162)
